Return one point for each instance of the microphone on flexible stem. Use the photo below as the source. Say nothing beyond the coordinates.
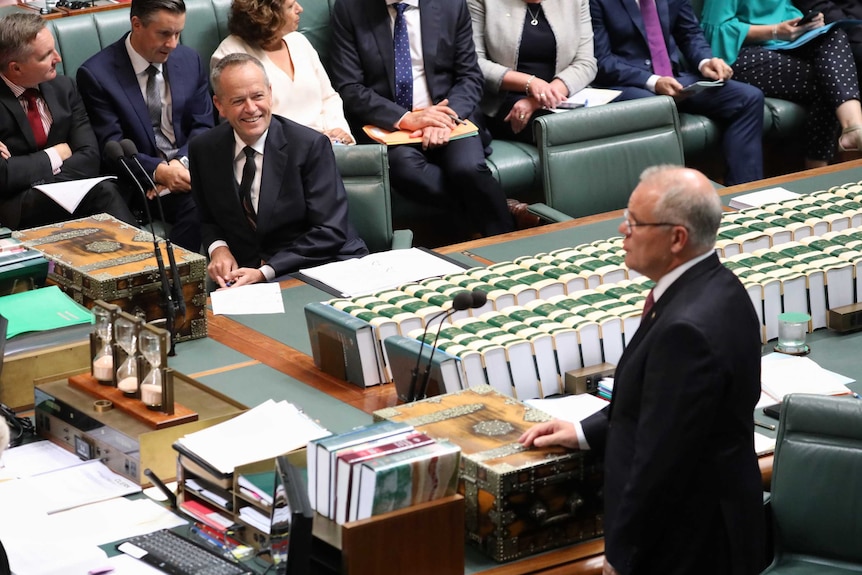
(131, 151)
(462, 300)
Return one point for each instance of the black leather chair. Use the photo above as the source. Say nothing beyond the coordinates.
(591, 158)
(816, 498)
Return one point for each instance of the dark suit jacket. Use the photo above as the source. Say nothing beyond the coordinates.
(682, 485)
(302, 210)
(28, 165)
(118, 110)
(362, 60)
(620, 40)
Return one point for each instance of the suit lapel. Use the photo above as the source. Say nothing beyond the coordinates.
(56, 107)
(176, 84)
(14, 106)
(126, 76)
(430, 23)
(634, 11)
(275, 155)
(380, 24)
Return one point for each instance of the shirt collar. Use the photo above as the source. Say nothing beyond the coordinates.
(414, 3)
(139, 63)
(258, 146)
(17, 90)
(667, 279)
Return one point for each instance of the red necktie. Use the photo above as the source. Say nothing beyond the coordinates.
(655, 37)
(34, 118)
(648, 303)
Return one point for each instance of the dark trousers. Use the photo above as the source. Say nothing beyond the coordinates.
(456, 178)
(37, 209)
(812, 75)
(738, 109)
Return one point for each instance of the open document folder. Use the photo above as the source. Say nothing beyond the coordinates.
(464, 129)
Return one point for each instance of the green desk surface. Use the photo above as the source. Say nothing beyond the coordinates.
(808, 184)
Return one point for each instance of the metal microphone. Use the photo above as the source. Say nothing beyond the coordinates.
(131, 151)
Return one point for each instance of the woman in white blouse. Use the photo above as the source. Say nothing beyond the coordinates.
(301, 90)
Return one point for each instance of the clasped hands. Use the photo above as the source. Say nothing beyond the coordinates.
(172, 177)
(433, 124)
(543, 95)
(224, 270)
(712, 69)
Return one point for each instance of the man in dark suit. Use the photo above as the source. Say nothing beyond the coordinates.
(435, 80)
(45, 136)
(149, 89)
(642, 60)
(682, 486)
(270, 196)
(834, 10)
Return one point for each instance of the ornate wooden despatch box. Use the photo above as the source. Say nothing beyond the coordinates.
(519, 501)
(103, 258)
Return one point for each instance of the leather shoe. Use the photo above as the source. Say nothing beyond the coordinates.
(521, 215)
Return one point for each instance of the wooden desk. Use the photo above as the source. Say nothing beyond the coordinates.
(581, 558)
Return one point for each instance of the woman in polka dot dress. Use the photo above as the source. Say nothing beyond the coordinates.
(820, 74)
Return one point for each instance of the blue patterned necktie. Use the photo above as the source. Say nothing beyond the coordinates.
(403, 63)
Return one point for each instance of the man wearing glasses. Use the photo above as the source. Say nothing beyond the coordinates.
(682, 485)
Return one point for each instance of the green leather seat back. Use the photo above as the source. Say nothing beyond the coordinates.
(365, 172)
(817, 483)
(202, 18)
(592, 157)
(79, 37)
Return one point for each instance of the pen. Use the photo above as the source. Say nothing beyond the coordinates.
(211, 541)
(457, 120)
(768, 426)
(856, 395)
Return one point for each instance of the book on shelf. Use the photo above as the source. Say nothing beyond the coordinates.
(344, 346)
(254, 517)
(257, 486)
(206, 514)
(351, 458)
(322, 453)
(404, 353)
(464, 129)
(406, 478)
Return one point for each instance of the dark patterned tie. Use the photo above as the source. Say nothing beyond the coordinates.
(248, 172)
(403, 63)
(648, 303)
(655, 37)
(154, 107)
(31, 95)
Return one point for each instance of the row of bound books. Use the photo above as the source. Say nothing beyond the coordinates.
(378, 468)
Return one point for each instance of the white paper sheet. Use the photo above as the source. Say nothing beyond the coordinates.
(70, 194)
(589, 97)
(757, 199)
(782, 374)
(572, 408)
(380, 271)
(35, 458)
(248, 299)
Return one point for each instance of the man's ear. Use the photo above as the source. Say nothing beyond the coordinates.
(679, 239)
(217, 105)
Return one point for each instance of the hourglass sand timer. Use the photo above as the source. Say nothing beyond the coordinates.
(153, 343)
(126, 329)
(101, 342)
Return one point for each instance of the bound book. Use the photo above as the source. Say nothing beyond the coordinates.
(321, 457)
(462, 130)
(351, 458)
(445, 369)
(407, 478)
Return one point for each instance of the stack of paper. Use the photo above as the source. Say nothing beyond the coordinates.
(783, 374)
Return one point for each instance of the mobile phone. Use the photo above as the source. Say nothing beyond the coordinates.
(808, 18)
(773, 410)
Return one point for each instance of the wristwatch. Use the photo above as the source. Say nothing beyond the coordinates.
(184, 160)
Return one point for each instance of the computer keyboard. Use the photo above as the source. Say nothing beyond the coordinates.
(176, 555)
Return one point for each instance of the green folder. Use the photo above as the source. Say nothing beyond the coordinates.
(41, 310)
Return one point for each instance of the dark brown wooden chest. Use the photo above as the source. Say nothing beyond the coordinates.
(518, 501)
(103, 258)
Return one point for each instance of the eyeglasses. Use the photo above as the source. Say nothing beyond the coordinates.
(629, 225)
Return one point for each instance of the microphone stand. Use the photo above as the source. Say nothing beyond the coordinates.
(167, 293)
(414, 373)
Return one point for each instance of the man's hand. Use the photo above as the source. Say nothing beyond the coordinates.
(244, 276)
(716, 69)
(338, 136)
(4, 151)
(174, 176)
(669, 86)
(437, 116)
(520, 114)
(433, 137)
(222, 264)
(64, 151)
(554, 432)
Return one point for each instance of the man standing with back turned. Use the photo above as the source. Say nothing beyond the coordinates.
(413, 66)
(682, 485)
(147, 88)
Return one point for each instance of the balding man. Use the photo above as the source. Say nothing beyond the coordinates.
(682, 485)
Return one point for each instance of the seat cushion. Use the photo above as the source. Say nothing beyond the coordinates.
(796, 565)
(516, 167)
(786, 119)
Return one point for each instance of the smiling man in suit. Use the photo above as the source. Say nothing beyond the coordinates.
(271, 199)
(45, 136)
(641, 47)
(682, 486)
(147, 88)
(413, 66)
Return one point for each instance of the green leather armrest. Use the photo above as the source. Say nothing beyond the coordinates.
(402, 239)
(547, 213)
